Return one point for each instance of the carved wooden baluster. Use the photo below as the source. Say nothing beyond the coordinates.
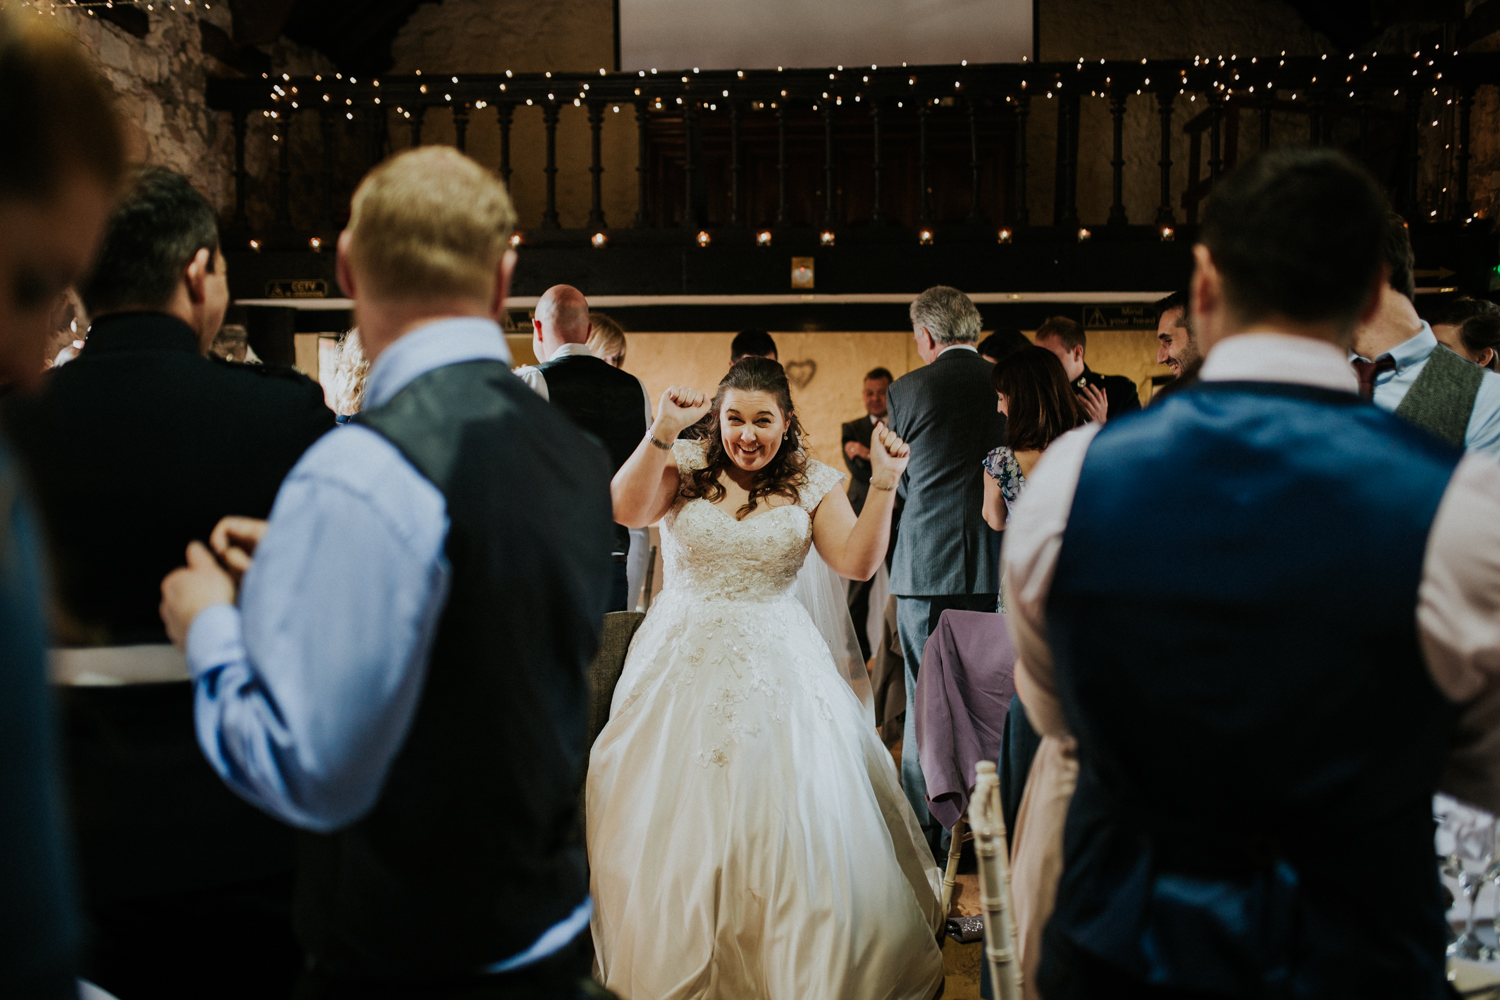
(643, 164)
(690, 166)
(924, 204)
(878, 215)
(1266, 107)
(1412, 187)
(1068, 108)
(973, 107)
(1164, 214)
(1461, 185)
(504, 112)
(1023, 111)
(1117, 215)
(417, 114)
(596, 166)
(1215, 139)
(549, 118)
(734, 164)
(828, 178)
(283, 169)
(781, 205)
(240, 174)
(461, 127)
(326, 134)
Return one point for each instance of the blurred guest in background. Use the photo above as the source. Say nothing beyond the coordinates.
(1470, 327)
(127, 449)
(1002, 343)
(945, 553)
(856, 438)
(597, 396)
(233, 344)
(752, 344)
(60, 166)
(1403, 368)
(70, 325)
(1104, 396)
(607, 341)
(351, 370)
(1039, 406)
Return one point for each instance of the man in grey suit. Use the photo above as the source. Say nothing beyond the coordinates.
(946, 556)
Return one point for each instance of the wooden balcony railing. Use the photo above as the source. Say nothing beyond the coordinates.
(892, 149)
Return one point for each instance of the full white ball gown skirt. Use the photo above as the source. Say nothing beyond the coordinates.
(747, 832)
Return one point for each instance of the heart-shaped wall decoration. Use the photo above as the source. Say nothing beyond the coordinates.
(800, 373)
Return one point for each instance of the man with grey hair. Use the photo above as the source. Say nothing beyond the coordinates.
(946, 556)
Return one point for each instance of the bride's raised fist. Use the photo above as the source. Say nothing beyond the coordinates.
(680, 407)
(888, 456)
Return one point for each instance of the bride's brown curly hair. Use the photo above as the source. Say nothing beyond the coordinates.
(785, 474)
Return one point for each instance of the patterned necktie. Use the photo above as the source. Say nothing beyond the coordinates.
(1367, 370)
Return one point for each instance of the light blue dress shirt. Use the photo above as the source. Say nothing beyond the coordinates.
(305, 692)
(1391, 387)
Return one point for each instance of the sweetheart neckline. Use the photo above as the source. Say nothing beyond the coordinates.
(753, 517)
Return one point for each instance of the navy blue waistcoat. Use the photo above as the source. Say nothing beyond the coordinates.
(1233, 620)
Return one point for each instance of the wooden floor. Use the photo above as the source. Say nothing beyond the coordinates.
(961, 961)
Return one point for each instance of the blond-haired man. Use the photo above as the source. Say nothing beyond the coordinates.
(403, 676)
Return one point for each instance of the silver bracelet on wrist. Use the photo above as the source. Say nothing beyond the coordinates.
(877, 486)
(651, 435)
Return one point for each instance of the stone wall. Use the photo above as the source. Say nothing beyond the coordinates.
(159, 82)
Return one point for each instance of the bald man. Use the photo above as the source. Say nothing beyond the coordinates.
(599, 398)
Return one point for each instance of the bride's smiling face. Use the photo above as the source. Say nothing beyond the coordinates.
(752, 426)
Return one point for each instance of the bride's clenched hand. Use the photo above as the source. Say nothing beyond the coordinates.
(888, 456)
(680, 407)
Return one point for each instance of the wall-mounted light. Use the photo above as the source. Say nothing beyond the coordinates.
(1005, 236)
(1167, 234)
(599, 240)
(316, 245)
(826, 237)
(255, 245)
(515, 240)
(1084, 235)
(703, 238)
(763, 238)
(925, 237)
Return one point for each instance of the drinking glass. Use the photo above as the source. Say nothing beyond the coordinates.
(1466, 846)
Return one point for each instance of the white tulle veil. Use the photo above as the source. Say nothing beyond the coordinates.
(825, 596)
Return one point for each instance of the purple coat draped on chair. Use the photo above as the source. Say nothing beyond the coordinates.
(964, 689)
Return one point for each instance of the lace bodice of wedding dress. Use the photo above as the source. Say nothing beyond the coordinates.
(747, 832)
(708, 554)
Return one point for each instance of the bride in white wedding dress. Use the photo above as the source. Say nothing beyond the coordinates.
(747, 832)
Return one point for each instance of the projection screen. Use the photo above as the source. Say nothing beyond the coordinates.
(763, 34)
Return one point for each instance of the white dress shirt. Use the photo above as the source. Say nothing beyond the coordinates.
(1458, 602)
(533, 376)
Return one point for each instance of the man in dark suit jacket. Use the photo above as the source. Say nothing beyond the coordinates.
(600, 399)
(946, 556)
(136, 447)
(856, 439)
(1065, 338)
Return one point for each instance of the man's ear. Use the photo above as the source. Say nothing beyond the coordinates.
(196, 275)
(345, 269)
(503, 272)
(1204, 290)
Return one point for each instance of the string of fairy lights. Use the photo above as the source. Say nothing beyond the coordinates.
(89, 8)
(1230, 77)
